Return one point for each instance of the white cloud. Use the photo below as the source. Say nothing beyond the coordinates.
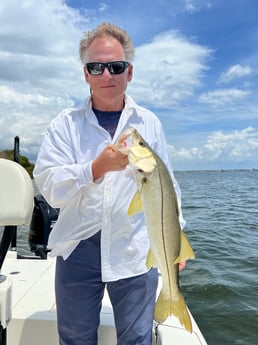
(188, 6)
(40, 68)
(235, 146)
(38, 27)
(185, 153)
(193, 6)
(168, 70)
(223, 96)
(9, 95)
(103, 7)
(236, 71)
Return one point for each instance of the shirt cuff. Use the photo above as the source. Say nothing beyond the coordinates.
(85, 177)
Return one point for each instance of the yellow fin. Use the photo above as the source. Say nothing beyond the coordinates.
(165, 307)
(135, 205)
(150, 261)
(186, 251)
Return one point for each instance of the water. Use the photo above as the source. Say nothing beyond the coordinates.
(220, 285)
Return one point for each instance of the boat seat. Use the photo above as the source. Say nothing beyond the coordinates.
(16, 207)
(16, 194)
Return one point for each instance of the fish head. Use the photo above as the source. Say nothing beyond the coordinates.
(140, 155)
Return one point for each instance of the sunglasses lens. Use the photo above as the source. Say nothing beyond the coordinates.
(117, 67)
(97, 68)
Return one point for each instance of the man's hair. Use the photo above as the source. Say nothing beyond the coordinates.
(107, 29)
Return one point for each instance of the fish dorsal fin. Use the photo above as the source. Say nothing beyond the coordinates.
(135, 205)
(186, 251)
(150, 261)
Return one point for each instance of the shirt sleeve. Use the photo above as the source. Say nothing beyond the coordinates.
(57, 174)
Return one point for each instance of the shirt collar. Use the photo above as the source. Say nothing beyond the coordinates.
(129, 108)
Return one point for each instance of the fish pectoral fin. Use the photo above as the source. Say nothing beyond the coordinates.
(135, 205)
(186, 251)
(150, 261)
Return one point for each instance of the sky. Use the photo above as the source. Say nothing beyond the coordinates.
(196, 68)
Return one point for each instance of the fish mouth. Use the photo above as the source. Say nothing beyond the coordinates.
(126, 141)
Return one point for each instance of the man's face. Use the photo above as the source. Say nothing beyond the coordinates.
(108, 89)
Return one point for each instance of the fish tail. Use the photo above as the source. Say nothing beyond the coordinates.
(165, 308)
(162, 309)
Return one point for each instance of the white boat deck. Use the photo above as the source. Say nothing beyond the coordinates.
(34, 315)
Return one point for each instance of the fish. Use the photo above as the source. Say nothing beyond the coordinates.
(157, 199)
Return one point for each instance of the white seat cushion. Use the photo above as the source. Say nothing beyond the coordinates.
(16, 194)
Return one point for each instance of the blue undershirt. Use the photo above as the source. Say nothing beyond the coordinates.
(108, 119)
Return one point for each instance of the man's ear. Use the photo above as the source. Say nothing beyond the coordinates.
(130, 73)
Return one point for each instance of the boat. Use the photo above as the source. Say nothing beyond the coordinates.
(27, 300)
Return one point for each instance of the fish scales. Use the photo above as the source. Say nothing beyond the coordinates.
(156, 197)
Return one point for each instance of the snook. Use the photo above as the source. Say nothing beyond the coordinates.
(156, 197)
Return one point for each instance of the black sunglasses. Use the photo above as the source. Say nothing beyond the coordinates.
(114, 67)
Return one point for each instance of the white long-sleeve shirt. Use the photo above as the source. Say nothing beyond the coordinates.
(63, 174)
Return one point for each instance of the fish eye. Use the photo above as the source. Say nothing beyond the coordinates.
(141, 143)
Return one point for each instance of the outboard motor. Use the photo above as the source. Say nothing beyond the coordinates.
(43, 219)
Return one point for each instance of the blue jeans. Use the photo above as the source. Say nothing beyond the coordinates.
(79, 292)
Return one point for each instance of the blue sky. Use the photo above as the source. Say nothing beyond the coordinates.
(196, 67)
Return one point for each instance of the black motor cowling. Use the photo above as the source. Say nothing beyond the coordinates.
(43, 219)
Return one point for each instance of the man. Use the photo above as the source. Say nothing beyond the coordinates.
(79, 170)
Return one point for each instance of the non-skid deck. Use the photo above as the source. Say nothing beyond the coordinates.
(34, 315)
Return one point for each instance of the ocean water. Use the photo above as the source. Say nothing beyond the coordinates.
(221, 284)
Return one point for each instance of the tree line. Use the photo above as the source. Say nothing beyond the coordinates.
(23, 160)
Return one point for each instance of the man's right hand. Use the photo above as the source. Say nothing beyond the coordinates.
(109, 159)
